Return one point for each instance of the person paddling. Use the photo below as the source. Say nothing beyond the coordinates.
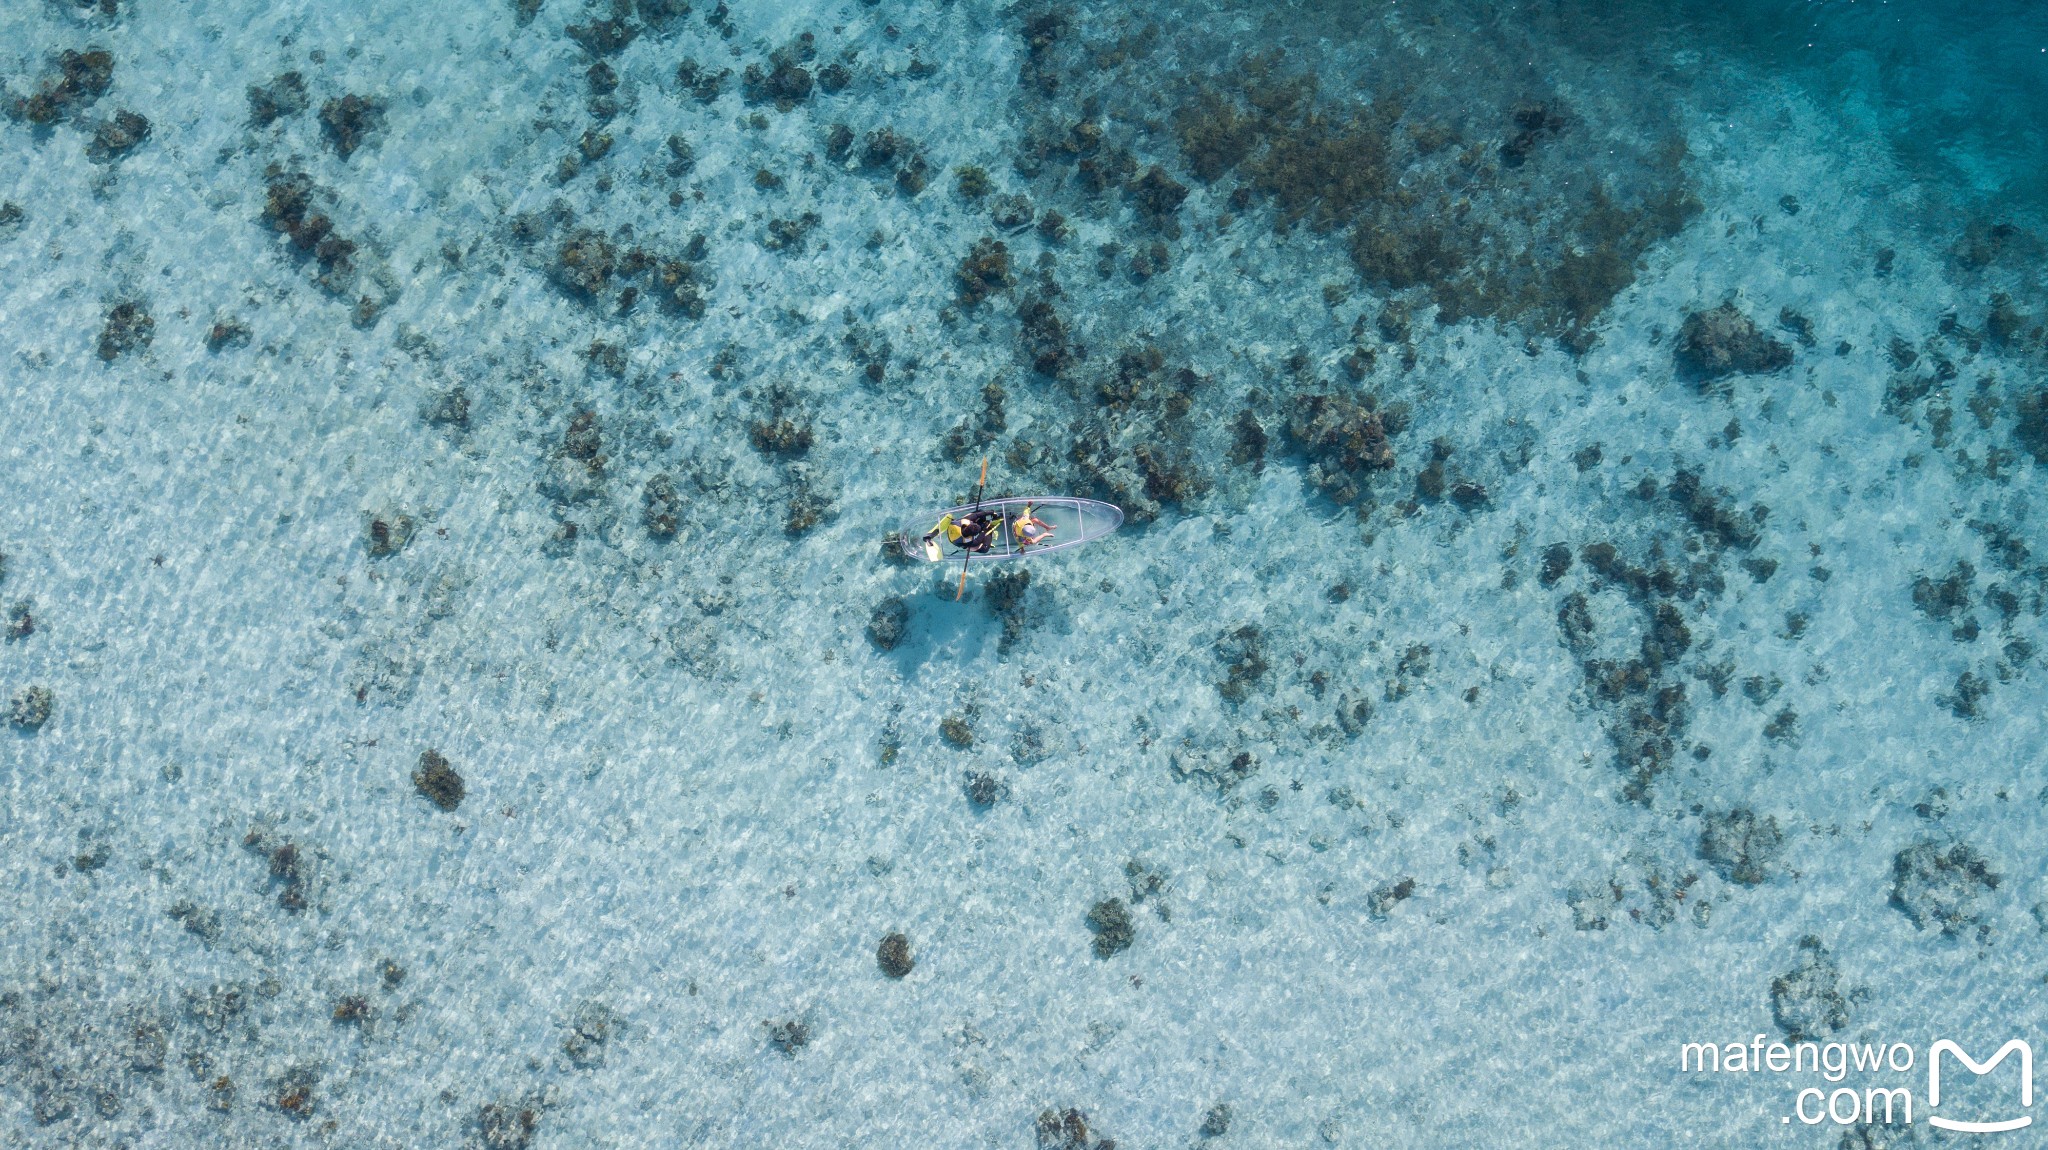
(974, 531)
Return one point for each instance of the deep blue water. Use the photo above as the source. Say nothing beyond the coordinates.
(1962, 89)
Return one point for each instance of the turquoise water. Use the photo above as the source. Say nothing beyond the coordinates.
(1581, 591)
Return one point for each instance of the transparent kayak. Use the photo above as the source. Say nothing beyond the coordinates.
(1073, 522)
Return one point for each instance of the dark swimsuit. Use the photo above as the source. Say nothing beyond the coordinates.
(978, 542)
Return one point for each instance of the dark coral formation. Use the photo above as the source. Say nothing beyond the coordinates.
(227, 332)
(883, 153)
(387, 533)
(291, 207)
(288, 208)
(1741, 846)
(584, 263)
(1713, 345)
(1068, 1130)
(1003, 595)
(785, 429)
(1149, 884)
(437, 781)
(285, 96)
(700, 82)
(1248, 441)
(349, 120)
(295, 1091)
(677, 284)
(80, 79)
(201, 922)
(661, 506)
(789, 1036)
(1807, 1001)
(984, 271)
(353, 1010)
(1136, 445)
(289, 865)
(1643, 891)
(1226, 775)
(1948, 598)
(788, 235)
(583, 441)
(1158, 196)
(1344, 440)
(839, 141)
(216, 1007)
(1319, 165)
(1242, 651)
(604, 37)
(1382, 901)
(781, 430)
(129, 328)
(972, 182)
(785, 83)
(608, 272)
(957, 730)
(114, 138)
(507, 1125)
(985, 790)
(977, 431)
(1425, 204)
(1965, 699)
(1111, 923)
(590, 1033)
(682, 158)
(893, 955)
(21, 620)
(1532, 123)
(1648, 709)
(1711, 515)
(1557, 563)
(888, 622)
(1042, 339)
(31, 706)
(448, 408)
(1943, 886)
(2006, 326)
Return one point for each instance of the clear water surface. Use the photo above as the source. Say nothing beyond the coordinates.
(1582, 590)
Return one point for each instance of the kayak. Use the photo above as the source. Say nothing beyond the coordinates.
(1073, 522)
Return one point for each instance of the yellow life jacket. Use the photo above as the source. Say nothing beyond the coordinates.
(1029, 528)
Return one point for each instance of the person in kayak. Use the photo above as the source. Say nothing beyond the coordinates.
(1029, 529)
(974, 531)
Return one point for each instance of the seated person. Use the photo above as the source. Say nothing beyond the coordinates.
(1029, 529)
(978, 531)
(974, 531)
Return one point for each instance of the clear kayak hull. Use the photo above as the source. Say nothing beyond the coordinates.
(1073, 522)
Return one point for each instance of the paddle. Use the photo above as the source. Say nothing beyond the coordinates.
(965, 555)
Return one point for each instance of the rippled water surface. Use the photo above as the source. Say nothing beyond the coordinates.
(1581, 588)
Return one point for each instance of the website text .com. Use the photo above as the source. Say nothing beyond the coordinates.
(1886, 1102)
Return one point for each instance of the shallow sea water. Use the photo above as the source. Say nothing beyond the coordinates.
(1583, 591)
